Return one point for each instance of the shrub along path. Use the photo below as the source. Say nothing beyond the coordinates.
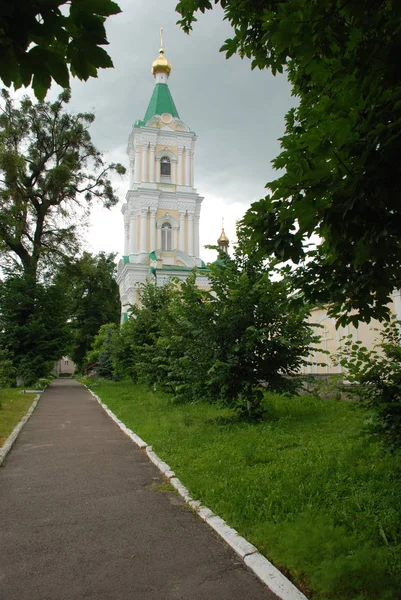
(84, 514)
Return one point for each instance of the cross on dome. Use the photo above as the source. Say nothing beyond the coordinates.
(223, 242)
(161, 64)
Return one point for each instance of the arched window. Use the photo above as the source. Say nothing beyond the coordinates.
(166, 237)
(165, 169)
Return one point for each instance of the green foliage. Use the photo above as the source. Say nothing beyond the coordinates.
(187, 344)
(349, 568)
(261, 340)
(8, 373)
(93, 298)
(13, 406)
(42, 383)
(33, 321)
(376, 375)
(101, 352)
(123, 355)
(145, 330)
(225, 344)
(49, 173)
(41, 41)
(340, 176)
(307, 488)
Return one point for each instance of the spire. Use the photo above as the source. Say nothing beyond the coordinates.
(161, 101)
(223, 242)
(161, 64)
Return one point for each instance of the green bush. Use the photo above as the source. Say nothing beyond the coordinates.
(375, 376)
(7, 371)
(227, 344)
(44, 382)
(102, 350)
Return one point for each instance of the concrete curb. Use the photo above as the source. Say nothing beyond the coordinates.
(261, 567)
(135, 438)
(8, 444)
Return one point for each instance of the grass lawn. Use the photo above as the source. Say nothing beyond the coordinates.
(307, 487)
(13, 406)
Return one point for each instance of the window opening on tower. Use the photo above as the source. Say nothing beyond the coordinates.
(165, 169)
(166, 237)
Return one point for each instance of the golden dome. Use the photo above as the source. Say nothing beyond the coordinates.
(161, 64)
(223, 239)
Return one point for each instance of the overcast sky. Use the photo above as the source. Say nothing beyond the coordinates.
(238, 114)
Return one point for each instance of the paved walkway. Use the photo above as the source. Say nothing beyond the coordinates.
(81, 517)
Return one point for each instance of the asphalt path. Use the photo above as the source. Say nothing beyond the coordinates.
(83, 516)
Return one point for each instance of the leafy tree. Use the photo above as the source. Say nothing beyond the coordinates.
(40, 41)
(7, 370)
(34, 325)
(102, 351)
(124, 359)
(262, 341)
(341, 176)
(49, 171)
(226, 344)
(93, 298)
(146, 331)
(187, 344)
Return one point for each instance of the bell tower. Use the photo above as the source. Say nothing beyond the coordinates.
(162, 207)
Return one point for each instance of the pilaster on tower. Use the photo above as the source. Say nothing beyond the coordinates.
(162, 208)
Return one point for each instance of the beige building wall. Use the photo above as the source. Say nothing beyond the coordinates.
(64, 366)
(330, 338)
(162, 212)
(172, 149)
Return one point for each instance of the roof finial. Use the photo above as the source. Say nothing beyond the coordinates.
(161, 64)
(223, 241)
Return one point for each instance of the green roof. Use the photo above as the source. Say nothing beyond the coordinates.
(182, 268)
(161, 102)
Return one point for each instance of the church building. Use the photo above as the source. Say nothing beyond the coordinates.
(162, 207)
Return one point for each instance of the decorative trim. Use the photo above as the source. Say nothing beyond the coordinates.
(148, 138)
(153, 205)
(167, 153)
(167, 140)
(167, 219)
(180, 123)
(167, 204)
(185, 258)
(153, 120)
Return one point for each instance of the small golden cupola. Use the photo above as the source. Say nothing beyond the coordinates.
(161, 64)
(223, 242)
